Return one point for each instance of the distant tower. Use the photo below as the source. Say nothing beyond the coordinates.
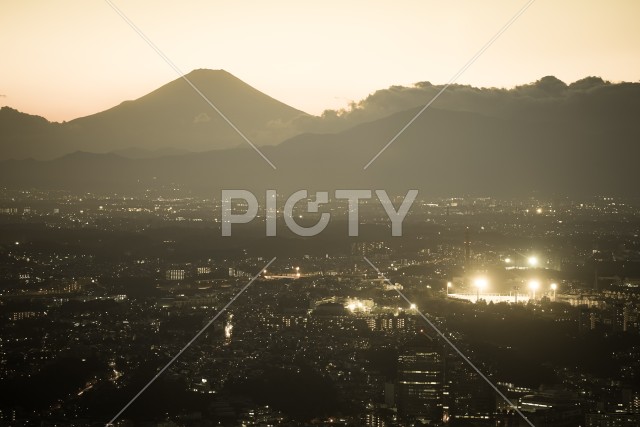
(467, 248)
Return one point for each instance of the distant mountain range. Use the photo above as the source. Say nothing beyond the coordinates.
(547, 137)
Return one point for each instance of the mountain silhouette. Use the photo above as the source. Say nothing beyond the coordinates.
(174, 117)
(546, 137)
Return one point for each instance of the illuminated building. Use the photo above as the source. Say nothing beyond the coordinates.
(292, 320)
(204, 270)
(389, 322)
(175, 275)
(466, 395)
(420, 382)
(20, 315)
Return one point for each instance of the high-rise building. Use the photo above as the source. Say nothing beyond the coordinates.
(467, 396)
(420, 381)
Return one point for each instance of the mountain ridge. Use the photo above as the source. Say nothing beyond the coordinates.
(546, 136)
(174, 115)
(443, 152)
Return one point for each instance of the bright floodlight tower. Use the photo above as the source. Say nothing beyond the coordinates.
(480, 283)
(533, 286)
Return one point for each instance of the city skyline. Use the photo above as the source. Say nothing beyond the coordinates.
(281, 214)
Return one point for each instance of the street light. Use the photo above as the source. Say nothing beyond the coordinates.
(480, 283)
(534, 285)
(554, 287)
(533, 261)
(449, 284)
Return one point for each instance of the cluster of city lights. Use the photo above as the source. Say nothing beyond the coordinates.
(355, 305)
(481, 283)
(283, 275)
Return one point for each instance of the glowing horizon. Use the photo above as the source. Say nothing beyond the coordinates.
(64, 62)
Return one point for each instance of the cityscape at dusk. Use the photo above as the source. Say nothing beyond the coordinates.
(330, 214)
(99, 290)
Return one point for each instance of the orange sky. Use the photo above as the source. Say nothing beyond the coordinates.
(71, 58)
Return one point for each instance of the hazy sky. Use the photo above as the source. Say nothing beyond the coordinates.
(68, 58)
